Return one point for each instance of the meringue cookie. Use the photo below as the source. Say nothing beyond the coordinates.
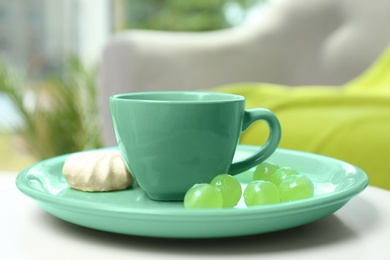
(102, 170)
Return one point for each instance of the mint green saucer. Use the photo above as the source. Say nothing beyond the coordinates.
(131, 212)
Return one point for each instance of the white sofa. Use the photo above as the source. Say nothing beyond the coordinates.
(298, 42)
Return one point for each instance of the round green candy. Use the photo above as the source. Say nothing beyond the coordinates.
(230, 189)
(203, 196)
(282, 173)
(261, 192)
(265, 170)
(296, 187)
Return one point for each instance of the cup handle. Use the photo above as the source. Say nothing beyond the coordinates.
(250, 116)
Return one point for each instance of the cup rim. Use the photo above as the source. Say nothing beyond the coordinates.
(172, 97)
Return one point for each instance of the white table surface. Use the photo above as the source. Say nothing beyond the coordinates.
(360, 230)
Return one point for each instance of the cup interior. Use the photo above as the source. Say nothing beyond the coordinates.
(179, 96)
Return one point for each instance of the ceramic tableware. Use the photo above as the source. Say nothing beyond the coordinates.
(131, 212)
(173, 140)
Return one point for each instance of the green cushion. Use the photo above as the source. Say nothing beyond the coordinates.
(350, 122)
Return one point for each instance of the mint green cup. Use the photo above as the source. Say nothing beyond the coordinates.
(173, 140)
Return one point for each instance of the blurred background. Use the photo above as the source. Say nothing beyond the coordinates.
(49, 55)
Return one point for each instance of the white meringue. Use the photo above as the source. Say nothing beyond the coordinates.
(102, 170)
